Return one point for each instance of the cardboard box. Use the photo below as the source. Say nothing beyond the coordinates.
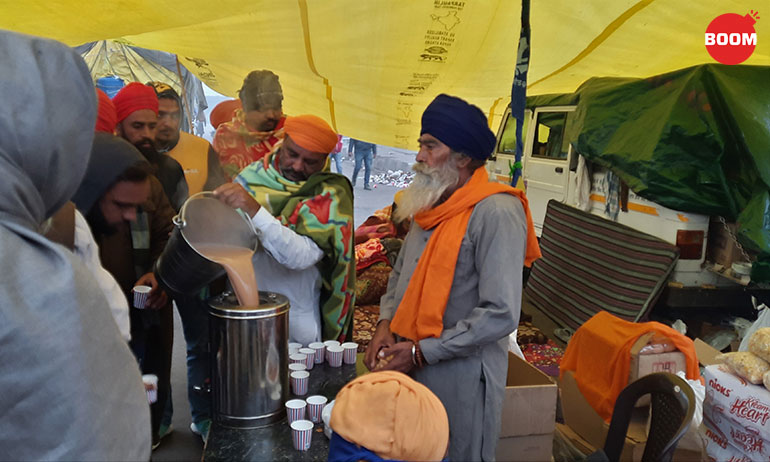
(721, 248)
(529, 414)
(646, 364)
(730, 398)
(720, 447)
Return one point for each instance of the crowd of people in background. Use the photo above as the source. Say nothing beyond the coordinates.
(90, 186)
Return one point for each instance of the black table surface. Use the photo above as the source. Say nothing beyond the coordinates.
(273, 442)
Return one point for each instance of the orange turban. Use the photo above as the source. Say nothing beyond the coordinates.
(106, 118)
(311, 133)
(223, 112)
(393, 416)
(135, 97)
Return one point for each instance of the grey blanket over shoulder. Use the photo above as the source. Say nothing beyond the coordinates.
(71, 389)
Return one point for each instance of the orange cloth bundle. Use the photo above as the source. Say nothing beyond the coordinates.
(599, 355)
(393, 416)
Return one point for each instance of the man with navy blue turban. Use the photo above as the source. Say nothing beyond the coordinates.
(454, 294)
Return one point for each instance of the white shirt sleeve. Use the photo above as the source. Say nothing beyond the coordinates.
(88, 251)
(292, 250)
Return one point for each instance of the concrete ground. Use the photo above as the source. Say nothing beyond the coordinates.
(183, 445)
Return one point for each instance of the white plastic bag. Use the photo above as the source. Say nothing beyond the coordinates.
(513, 345)
(693, 439)
(763, 320)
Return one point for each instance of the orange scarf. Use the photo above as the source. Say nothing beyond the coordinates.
(420, 313)
(599, 355)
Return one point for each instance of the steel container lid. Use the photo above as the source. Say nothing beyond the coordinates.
(270, 304)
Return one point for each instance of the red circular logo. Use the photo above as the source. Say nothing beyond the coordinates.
(731, 38)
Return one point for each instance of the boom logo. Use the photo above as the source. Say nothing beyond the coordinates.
(731, 38)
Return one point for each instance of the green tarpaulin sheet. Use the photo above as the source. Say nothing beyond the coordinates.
(695, 140)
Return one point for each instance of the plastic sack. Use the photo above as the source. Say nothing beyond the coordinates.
(763, 320)
(746, 365)
(693, 439)
(513, 345)
(759, 343)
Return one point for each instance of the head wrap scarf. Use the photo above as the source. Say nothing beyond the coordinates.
(393, 416)
(110, 157)
(106, 118)
(135, 97)
(224, 112)
(459, 125)
(311, 133)
(65, 370)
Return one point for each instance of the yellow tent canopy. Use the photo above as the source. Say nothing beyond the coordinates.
(370, 67)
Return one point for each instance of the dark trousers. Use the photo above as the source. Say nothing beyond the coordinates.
(152, 340)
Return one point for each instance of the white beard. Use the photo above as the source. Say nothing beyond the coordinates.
(426, 188)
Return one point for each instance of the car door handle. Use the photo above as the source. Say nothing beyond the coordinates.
(559, 170)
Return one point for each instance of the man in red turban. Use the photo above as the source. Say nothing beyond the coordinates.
(305, 216)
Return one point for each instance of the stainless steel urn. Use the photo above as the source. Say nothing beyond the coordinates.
(250, 364)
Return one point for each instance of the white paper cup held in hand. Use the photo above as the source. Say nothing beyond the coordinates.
(297, 367)
(141, 293)
(310, 353)
(298, 358)
(299, 382)
(295, 410)
(315, 405)
(349, 350)
(301, 434)
(151, 387)
(320, 351)
(334, 355)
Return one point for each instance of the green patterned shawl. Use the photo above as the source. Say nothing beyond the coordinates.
(320, 208)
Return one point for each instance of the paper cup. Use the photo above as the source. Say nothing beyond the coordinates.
(315, 405)
(140, 296)
(295, 409)
(299, 382)
(298, 358)
(329, 343)
(293, 351)
(294, 346)
(320, 351)
(334, 355)
(349, 350)
(151, 387)
(310, 353)
(301, 434)
(297, 367)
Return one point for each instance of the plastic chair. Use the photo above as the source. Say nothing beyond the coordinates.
(673, 405)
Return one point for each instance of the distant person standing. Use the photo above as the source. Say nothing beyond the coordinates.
(335, 155)
(364, 152)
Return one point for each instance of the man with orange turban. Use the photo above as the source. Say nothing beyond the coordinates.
(305, 216)
(254, 130)
(454, 294)
(387, 416)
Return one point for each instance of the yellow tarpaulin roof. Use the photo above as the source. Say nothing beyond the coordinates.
(370, 67)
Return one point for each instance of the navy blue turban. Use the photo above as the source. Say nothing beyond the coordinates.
(459, 125)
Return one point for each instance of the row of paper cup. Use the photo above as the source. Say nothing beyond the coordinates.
(318, 352)
(302, 414)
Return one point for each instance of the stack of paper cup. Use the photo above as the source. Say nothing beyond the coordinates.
(294, 347)
(330, 343)
(310, 359)
(151, 387)
(334, 355)
(297, 367)
(140, 296)
(301, 434)
(315, 404)
(297, 358)
(295, 409)
(299, 382)
(320, 351)
(349, 352)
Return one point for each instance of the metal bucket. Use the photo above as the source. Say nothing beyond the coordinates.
(250, 360)
(202, 219)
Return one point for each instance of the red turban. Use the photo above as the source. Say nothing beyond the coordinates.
(135, 97)
(311, 133)
(106, 118)
(223, 112)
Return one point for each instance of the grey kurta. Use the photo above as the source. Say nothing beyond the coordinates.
(468, 364)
